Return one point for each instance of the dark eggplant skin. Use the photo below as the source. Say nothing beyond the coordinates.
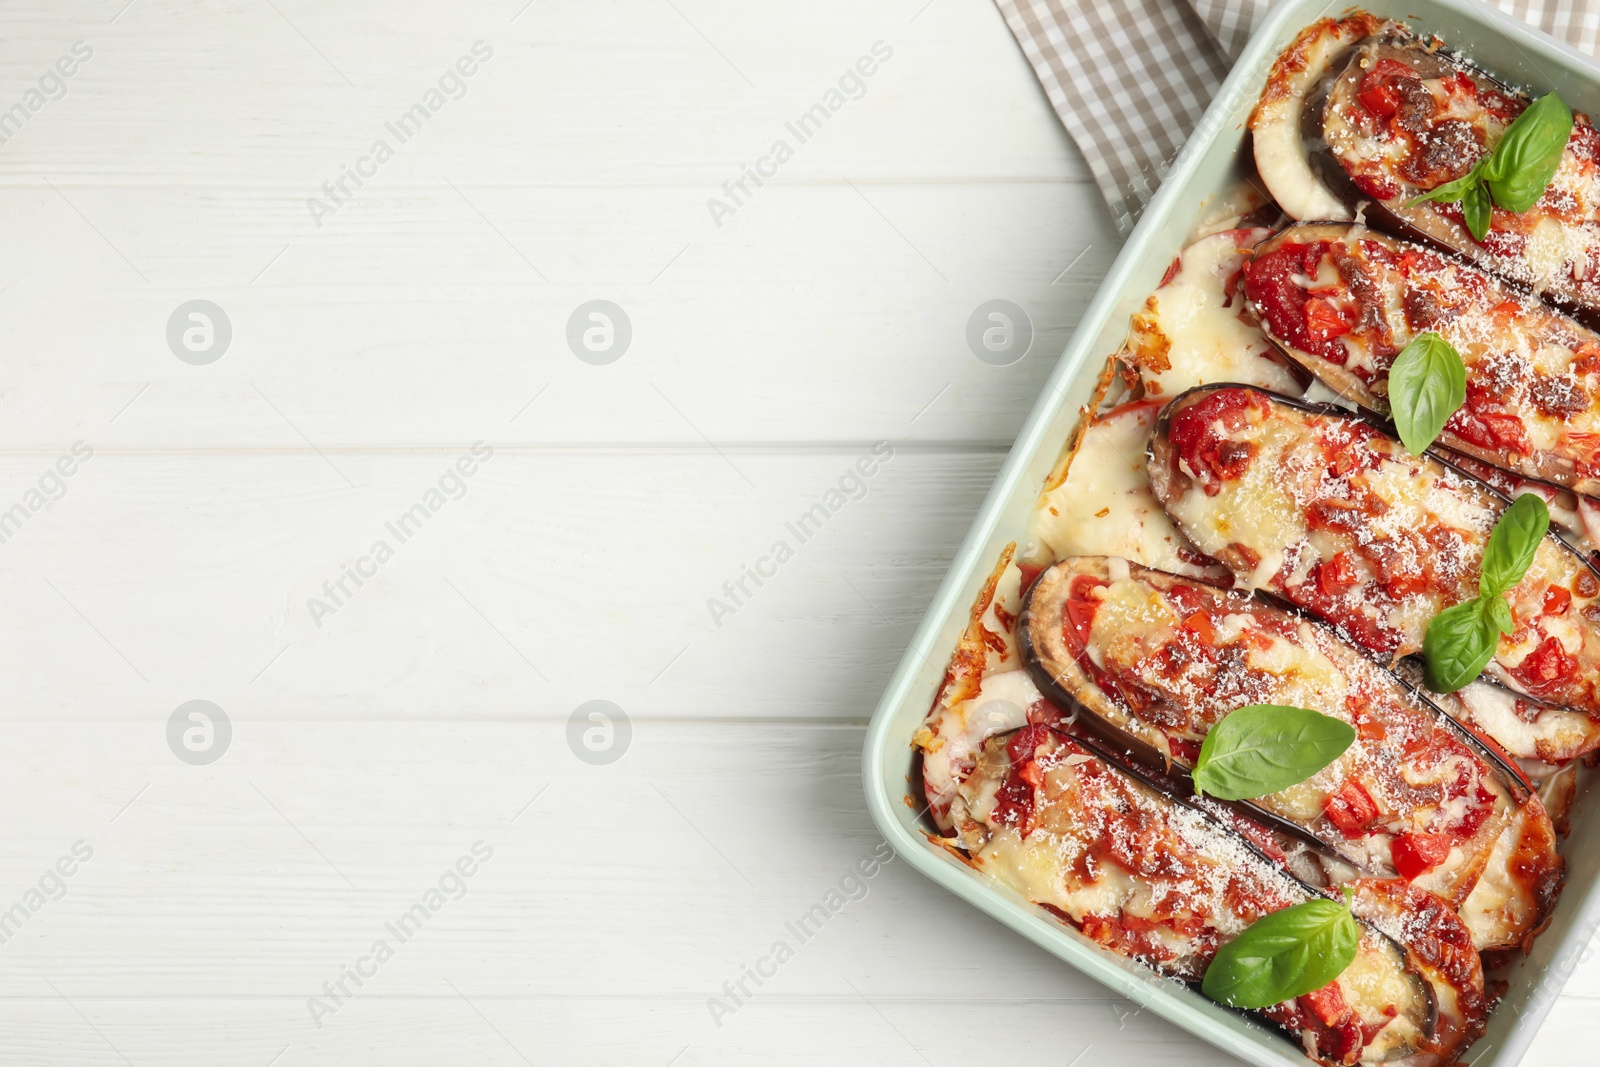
(1061, 679)
(1428, 940)
(1541, 328)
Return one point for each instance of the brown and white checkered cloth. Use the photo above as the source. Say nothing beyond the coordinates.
(1130, 78)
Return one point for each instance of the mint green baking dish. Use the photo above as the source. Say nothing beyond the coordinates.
(1207, 166)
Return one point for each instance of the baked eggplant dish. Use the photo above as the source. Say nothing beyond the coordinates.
(1155, 661)
(1289, 688)
(1427, 145)
(1152, 878)
(1344, 301)
(1322, 508)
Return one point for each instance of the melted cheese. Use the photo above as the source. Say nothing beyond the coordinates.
(1498, 902)
(1105, 506)
(1188, 326)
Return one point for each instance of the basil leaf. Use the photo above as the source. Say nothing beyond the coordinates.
(1427, 383)
(1284, 955)
(1500, 614)
(1263, 748)
(1525, 160)
(1511, 546)
(1461, 641)
(1476, 212)
(1455, 190)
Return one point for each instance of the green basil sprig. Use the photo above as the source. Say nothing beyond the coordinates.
(1284, 955)
(1263, 748)
(1519, 169)
(1461, 640)
(1427, 383)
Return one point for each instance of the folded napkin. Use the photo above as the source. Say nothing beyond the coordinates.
(1130, 78)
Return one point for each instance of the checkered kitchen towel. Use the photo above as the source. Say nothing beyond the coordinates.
(1130, 78)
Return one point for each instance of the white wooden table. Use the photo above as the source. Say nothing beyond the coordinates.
(374, 339)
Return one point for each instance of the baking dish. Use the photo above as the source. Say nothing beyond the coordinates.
(1208, 166)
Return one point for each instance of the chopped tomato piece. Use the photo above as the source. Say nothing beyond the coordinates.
(1381, 100)
(1505, 311)
(1200, 624)
(1080, 609)
(1082, 584)
(1269, 283)
(1013, 804)
(1327, 1004)
(1403, 584)
(1080, 619)
(1351, 809)
(1493, 430)
(1417, 854)
(1459, 84)
(1184, 751)
(1377, 92)
(1337, 575)
(1557, 600)
(1199, 435)
(1546, 667)
(1375, 186)
(1026, 741)
(1505, 108)
(1367, 728)
(1014, 801)
(1323, 320)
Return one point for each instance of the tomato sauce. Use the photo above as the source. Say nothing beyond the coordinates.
(1200, 436)
(1269, 284)
(1547, 668)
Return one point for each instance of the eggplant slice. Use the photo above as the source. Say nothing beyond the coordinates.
(1406, 117)
(1322, 508)
(1343, 301)
(1513, 900)
(1524, 729)
(1151, 878)
(1575, 518)
(1154, 661)
(1296, 87)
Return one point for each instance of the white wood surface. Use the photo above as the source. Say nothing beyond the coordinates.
(370, 752)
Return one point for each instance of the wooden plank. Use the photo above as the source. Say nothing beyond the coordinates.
(824, 312)
(609, 92)
(545, 579)
(267, 872)
(612, 908)
(596, 1032)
